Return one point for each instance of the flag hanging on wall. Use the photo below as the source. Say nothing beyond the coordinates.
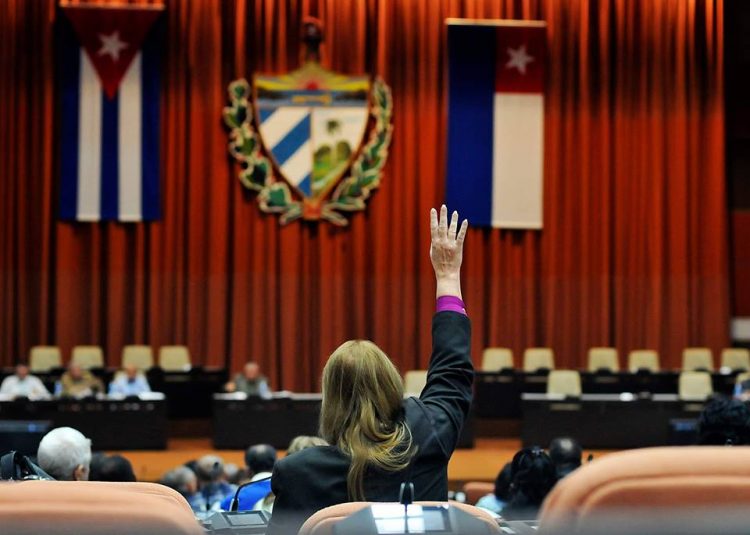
(109, 61)
(496, 122)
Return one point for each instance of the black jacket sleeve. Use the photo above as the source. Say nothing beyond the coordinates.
(448, 392)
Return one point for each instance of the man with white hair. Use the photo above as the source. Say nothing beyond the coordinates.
(65, 454)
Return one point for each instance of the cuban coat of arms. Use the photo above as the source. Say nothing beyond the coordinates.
(312, 142)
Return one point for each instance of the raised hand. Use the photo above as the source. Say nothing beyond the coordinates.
(446, 251)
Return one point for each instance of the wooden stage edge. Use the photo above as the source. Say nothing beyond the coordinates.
(482, 463)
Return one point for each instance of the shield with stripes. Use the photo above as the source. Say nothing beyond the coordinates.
(312, 123)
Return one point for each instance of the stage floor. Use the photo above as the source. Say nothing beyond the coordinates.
(482, 463)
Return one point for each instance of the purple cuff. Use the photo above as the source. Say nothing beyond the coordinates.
(450, 303)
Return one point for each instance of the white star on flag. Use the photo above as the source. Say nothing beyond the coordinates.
(518, 59)
(111, 45)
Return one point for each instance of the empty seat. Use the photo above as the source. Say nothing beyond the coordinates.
(695, 385)
(414, 382)
(603, 358)
(643, 359)
(174, 358)
(537, 358)
(495, 359)
(697, 358)
(564, 382)
(142, 357)
(44, 358)
(88, 357)
(735, 358)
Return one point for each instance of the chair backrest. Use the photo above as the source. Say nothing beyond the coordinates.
(695, 385)
(535, 358)
(735, 358)
(643, 359)
(174, 358)
(603, 358)
(697, 358)
(88, 356)
(565, 382)
(88, 508)
(414, 382)
(323, 522)
(44, 358)
(142, 357)
(476, 489)
(495, 359)
(635, 482)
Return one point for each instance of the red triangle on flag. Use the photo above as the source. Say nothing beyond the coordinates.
(111, 37)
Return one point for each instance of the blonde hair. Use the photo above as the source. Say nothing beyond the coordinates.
(362, 412)
(303, 442)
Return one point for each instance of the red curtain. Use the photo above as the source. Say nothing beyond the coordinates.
(633, 253)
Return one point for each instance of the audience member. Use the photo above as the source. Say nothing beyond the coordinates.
(114, 468)
(130, 382)
(566, 454)
(496, 500)
(302, 442)
(211, 484)
(259, 460)
(234, 475)
(183, 480)
(23, 385)
(65, 454)
(724, 421)
(78, 383)
(97, 459)
(532, 477)
(250, 381)
(379, 439)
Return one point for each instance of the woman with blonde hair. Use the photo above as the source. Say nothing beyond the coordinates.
(378, 439)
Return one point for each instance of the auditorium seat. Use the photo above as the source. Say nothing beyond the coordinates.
(414, 382)
(44, 358)
(89, 508)
(537, 358)
(323, 522)
(564, 382)
(174, 358)
(671, 480)
(88, 357)
(735, 358)
(697, 358)
(643, 359)
(695, 385)
(603, 358)
(495, 359)
(142, 357)
(476, 489)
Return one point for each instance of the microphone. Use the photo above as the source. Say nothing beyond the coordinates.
(235, 503)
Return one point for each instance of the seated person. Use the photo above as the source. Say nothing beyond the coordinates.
(130, 382)
(532, 476)
(24, 385)
(211, 483)
(112, 468)
(377, 438)
(724, 422)
(259, 460)
(78, 383)
(303, 442)
(566, 454)
(250, 381)
(496, 501)
(65, 454)
(183, 480)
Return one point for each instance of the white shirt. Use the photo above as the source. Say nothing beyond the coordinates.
(30, 387)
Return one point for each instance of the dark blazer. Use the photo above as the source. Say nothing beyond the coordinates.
(314, 478)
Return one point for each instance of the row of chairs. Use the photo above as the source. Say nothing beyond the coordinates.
(607, 358)
(171, 358)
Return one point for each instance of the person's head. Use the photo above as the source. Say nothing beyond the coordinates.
(532, 477)
(303, 442)
(97, 459)
(251, 371)
(260, 458)
(182, 479)
(724, 421)
(502, 483)
(114, 468)
(209, 469)
(75, 371)
(131, 372)
(22, 370)
(566, 453)
(65, 454)
(361, 411)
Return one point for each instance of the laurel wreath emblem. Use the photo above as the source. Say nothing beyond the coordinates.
(274, 196)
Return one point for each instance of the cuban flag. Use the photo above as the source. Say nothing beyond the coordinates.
(109, 64)
(496, 122)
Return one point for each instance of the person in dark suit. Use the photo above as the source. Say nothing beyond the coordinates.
(378, 439)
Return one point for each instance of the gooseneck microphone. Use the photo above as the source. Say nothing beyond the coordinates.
(235, 503)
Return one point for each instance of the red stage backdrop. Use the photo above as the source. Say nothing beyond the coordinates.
(633, 253)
